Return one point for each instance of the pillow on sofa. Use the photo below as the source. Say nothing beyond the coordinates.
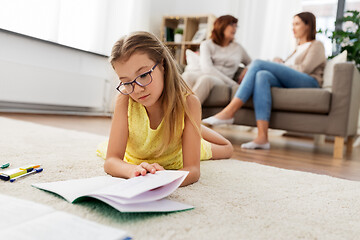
(329, 69)
(192, 60)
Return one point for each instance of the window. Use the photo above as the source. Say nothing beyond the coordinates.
(325, 12)
(352, 5)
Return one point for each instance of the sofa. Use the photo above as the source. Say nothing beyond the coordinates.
(331, 110)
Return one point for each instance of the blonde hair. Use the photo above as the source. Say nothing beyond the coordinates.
(175, 88)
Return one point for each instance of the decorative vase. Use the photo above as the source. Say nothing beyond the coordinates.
(178, 38)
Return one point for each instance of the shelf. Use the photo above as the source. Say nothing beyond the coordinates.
(190, 26)
(191, 43)
(173, 43)
(182, 43)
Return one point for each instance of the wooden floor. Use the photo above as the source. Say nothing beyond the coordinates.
(287, 152)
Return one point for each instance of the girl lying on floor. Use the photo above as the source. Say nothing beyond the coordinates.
(156, 122)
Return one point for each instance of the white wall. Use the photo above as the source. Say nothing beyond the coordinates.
(264, 27)
(35, 72)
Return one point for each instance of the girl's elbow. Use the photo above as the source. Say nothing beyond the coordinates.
(107, 166)
(196, 175)
(229, 149)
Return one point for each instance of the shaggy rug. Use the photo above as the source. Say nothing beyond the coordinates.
(233, 199)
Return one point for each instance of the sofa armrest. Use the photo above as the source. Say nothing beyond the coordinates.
(345, 100)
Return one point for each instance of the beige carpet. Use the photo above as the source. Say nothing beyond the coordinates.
(233, 199)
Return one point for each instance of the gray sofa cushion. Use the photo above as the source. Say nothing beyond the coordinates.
(304, 100)
(309, 100)
(219, 96)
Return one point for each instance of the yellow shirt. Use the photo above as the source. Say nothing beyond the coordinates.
(143, 141)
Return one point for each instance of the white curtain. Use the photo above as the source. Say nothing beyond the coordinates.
(94, 25)
(265, 27)
(91, 25)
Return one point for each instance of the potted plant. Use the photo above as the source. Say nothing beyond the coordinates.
(348, 39)
(178, 33)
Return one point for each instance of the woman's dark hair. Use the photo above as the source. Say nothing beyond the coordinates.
(309, 19)
(217, 34)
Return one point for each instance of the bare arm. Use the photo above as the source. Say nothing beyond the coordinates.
(114, 163)
(191, 142)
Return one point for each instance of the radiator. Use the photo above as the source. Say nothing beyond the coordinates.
(41, 76)
(20, 83)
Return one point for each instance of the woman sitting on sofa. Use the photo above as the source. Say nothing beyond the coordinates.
(220, 57)
(302, 69)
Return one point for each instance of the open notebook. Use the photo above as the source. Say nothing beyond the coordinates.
(22, 219)
(138, 194)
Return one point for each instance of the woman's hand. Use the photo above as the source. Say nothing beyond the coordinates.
(145, 168)
(241, 76)
(278, 60)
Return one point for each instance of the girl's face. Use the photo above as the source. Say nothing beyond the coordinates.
(135, 66)
(300, 29)
(230, 31)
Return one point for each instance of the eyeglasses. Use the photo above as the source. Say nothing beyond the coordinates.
(141, 80)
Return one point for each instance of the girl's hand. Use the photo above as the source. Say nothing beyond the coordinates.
(145, 168)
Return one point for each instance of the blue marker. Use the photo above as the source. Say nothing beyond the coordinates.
(36, 170)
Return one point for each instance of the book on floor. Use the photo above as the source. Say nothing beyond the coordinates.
(22, 219)
(139, 194)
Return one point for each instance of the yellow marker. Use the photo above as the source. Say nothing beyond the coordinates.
(18, 173)
(36, 166)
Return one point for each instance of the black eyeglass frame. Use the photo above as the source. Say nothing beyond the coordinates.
(134, 81)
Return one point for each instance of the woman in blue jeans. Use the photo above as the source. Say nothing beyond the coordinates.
(302, 69)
